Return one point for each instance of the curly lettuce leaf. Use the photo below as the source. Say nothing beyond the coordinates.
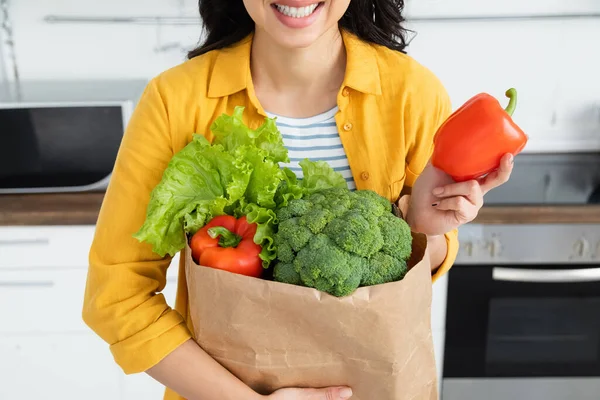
(265, 178)
(199, 182)
(288, 189)
(265, 220)
(231, 132)
(270, 140)
(318, 175)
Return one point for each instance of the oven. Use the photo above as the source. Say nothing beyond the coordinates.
(523, 314)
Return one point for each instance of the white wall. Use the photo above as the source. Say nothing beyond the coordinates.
(98, 51)
(554, 64)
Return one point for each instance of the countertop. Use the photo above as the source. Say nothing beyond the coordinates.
(83, 208)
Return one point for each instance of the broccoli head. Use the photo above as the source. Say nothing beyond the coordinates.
(336, 240)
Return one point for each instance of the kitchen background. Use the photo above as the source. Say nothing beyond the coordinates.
(547, 49)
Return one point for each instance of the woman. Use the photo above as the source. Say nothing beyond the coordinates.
(335, 71)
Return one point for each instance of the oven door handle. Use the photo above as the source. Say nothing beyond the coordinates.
(546, 275)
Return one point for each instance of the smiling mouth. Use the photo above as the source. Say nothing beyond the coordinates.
(297, 12)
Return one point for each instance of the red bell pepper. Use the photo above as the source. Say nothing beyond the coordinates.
(472, 141)
(227, 243)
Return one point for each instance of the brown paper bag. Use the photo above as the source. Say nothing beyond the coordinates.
(272, 335)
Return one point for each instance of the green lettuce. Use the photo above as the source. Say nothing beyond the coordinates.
(199, 182)
(237, 174)
(231, 132)
(317, 175)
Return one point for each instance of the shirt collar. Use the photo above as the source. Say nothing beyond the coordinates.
(231, 72)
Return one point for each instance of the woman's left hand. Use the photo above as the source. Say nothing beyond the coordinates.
(438, 204)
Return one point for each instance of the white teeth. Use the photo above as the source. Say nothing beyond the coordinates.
(297, 12)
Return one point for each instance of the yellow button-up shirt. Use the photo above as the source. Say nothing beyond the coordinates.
(389, 109)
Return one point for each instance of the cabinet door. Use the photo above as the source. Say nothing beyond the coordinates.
(52, 366)
(45, 246)
(34, 301)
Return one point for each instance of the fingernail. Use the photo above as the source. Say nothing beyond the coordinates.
(345, 393)
(512, 159)
(438, 191)
(435, 204)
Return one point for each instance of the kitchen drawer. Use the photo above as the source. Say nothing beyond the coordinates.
(42, 301)
(51, 300)
(58, 366)
(45, 247)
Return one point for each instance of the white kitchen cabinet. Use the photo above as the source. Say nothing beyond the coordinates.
(461, 8)
(46, 350)
(42, 301)
(57, 366)
(45, 246)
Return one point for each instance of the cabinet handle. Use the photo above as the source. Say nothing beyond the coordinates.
(25, 242)
(546, 275)
(26, 284)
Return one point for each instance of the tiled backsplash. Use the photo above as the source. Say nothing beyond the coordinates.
(552, 63)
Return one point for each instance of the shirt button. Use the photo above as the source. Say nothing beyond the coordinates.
(346, 92)
(347, 126)
(364, 175)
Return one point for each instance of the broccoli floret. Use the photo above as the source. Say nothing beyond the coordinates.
(383, 268)
(336, 200)
(397, 236)
(283, 214)
(299, 207)
(294, 234)
(295, 208)
(317, 198)
(355, 234)
(284, 252)
(326, 267)
(337, 240)
(370, 203)
(285, 273)
(316, 219)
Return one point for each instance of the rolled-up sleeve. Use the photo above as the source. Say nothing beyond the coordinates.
(122, 301)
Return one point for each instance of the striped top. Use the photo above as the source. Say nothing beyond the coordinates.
(315, 138)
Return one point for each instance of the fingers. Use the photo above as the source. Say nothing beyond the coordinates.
(462, 209)
(474, 190)
(468, 190)
(500, 176)
(332, 393)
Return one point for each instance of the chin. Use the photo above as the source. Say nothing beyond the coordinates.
(296, 40)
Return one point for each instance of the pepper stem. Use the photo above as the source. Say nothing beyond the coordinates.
(227, 238)
(512, 104)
